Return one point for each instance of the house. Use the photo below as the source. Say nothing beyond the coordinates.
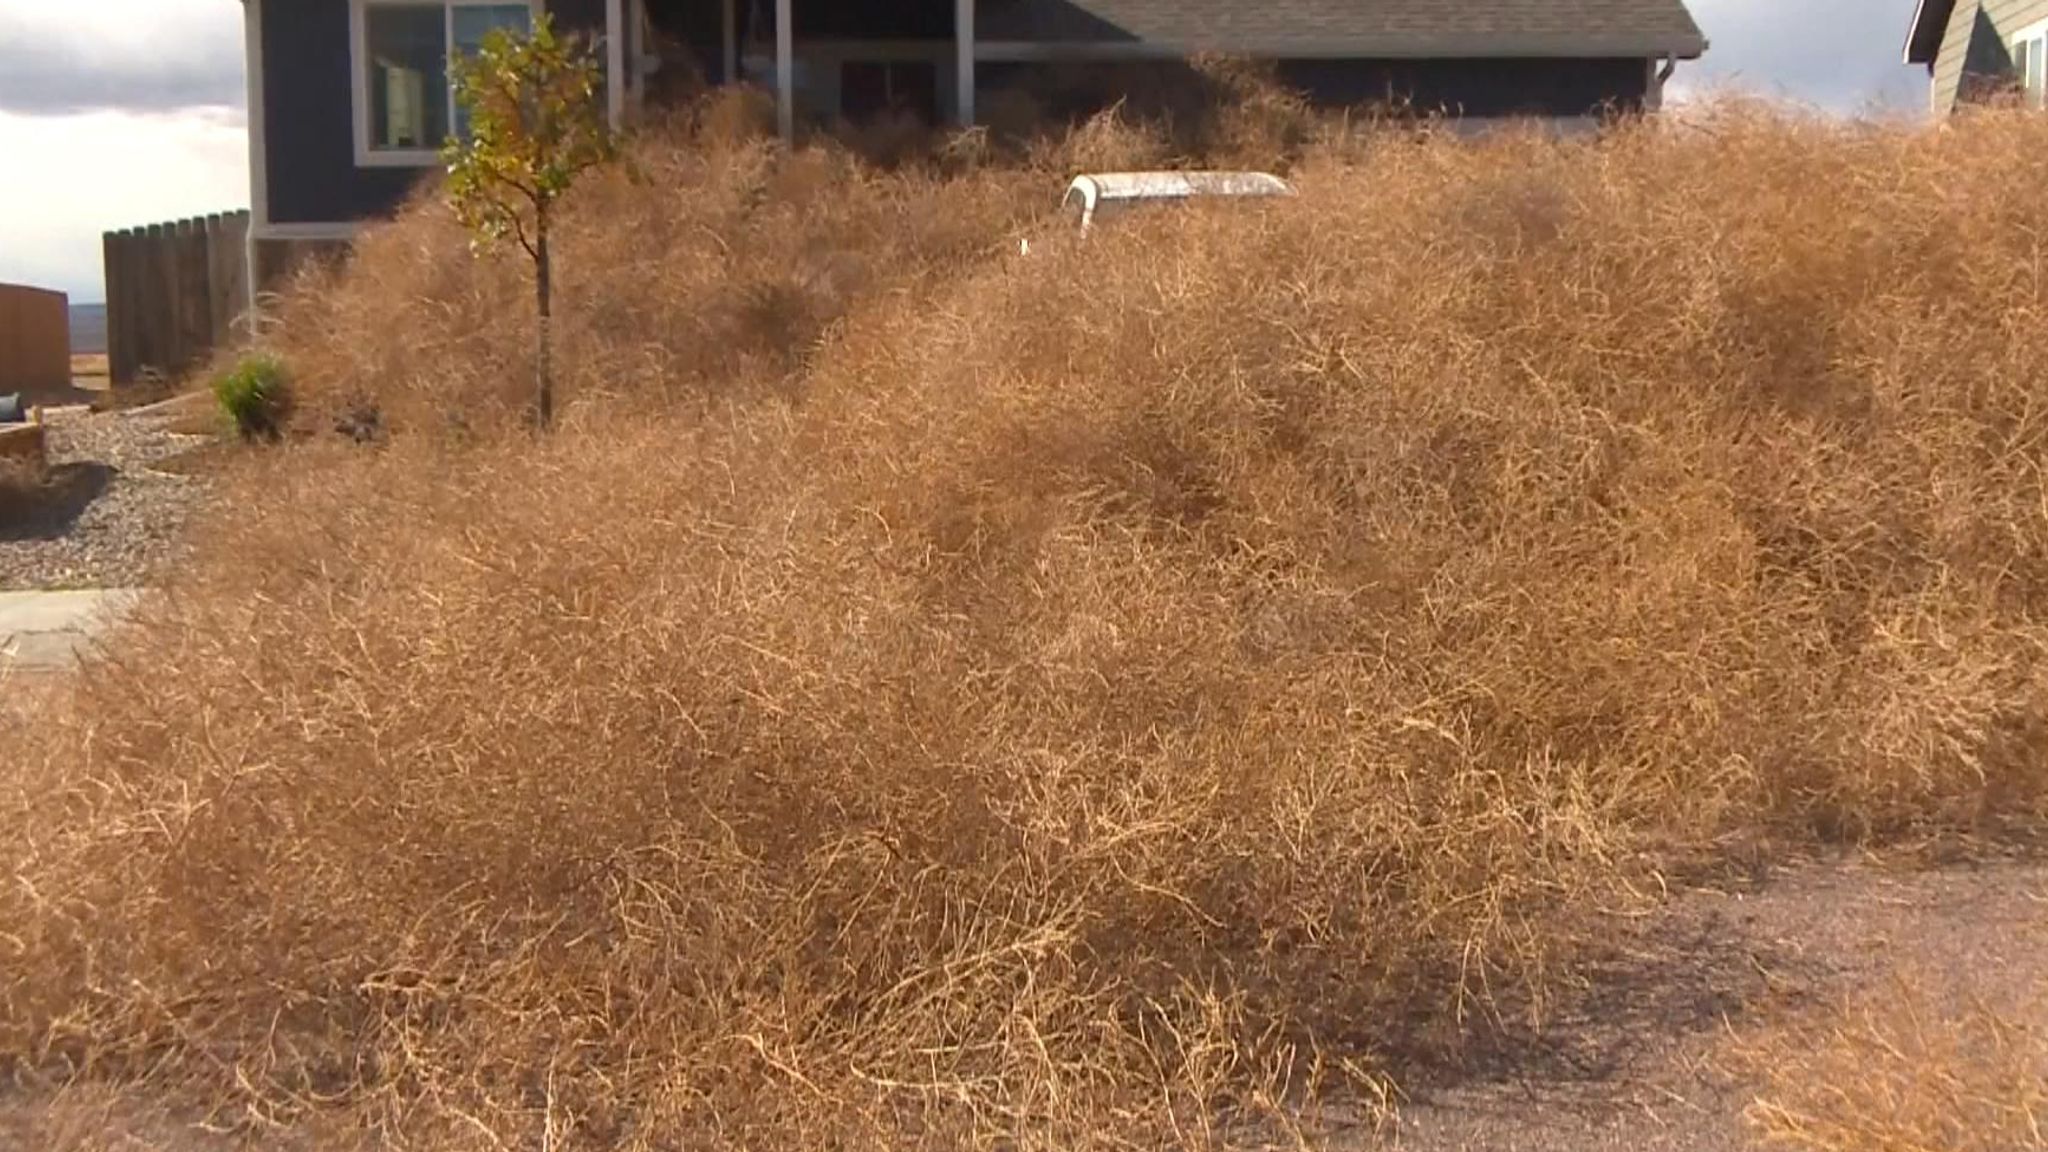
(1975, 50)
(348, 98)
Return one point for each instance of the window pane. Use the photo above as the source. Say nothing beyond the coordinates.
(472, 23)
(407, 59)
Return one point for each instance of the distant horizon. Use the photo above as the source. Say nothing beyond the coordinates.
(88, 327)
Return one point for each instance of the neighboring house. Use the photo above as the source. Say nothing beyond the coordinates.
(349, 98)
(1975, 50)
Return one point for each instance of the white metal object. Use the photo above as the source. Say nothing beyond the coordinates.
(963, 35)
(785, 70)
(615, 60)
(1094, 191)
(1089, 194)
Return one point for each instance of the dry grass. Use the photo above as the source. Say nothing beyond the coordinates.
(89, 366)
(932, 698)
(707, 270)
(1903, 1073)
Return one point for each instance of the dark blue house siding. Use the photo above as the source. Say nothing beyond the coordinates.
(309, 114)
(1461, 87)
(1493, 87)
(309, 121)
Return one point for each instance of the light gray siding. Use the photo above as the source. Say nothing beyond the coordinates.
(1977, 48)
(1955, 44)
(2009, 16)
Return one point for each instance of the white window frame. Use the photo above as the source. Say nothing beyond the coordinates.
(2033, 40)
(359, 75)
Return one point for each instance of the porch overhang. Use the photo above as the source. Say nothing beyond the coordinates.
(1339, 29)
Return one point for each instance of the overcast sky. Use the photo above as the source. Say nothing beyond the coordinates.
(122, 112)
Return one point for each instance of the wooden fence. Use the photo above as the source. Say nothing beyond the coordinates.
(35, 339)
(175, 293)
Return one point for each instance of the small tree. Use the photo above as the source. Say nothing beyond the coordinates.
(536, 122)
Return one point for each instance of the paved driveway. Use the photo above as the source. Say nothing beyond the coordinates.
(44, 631)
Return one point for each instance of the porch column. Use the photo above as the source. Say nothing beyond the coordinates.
(785, 68)
(731, 75)
(1660, 72)
(259, 180)
(963, 37)
(615, 60)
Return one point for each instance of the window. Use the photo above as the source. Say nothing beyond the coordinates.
(469, 24)
(2030, 63)
(405, 105)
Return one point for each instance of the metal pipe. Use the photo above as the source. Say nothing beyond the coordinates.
(785, 68)
(731, 75)
(963, 36)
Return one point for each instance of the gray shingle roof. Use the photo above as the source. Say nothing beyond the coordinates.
(1336, 28)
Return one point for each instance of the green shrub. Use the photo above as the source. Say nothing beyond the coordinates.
(255, 395)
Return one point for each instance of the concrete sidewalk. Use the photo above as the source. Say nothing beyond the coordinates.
(45, 631)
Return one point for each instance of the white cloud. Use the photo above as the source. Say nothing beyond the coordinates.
(128, 26)
(1841, 55)
(60, 58)
(126, 112)
(104, 171)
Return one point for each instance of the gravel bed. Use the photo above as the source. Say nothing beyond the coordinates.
(109, 521)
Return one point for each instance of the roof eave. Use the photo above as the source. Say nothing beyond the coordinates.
(1560, 47)
(1924, 35)
(1566, 47)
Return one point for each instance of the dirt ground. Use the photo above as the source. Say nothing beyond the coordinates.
(1639, 1061)
(1643, 1060)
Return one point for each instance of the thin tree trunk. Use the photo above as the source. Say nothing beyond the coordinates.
(543, 282)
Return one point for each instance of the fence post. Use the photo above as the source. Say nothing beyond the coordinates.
(241, 295)
(178, 250)
(133, 241)
(157, 291)
(177, 292)
(228, 265)
(197, 327)
(111, 252)
(121, 364)
(134, 262)
(216, 286)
